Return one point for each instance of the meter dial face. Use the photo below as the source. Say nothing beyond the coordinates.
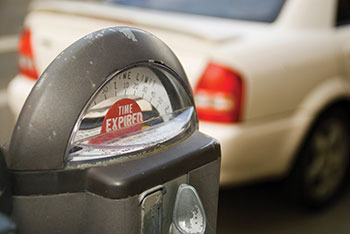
(138, 109)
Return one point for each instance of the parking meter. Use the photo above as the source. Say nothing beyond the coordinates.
(108, 142)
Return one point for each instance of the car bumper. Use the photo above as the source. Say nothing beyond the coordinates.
(255, 150)
(18, 91)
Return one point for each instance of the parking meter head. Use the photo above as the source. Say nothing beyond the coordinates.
(109, 132)
(116, 94)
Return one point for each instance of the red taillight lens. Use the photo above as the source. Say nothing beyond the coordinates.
(26, 56)
(218, 94)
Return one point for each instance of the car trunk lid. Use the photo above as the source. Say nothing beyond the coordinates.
(55, 25)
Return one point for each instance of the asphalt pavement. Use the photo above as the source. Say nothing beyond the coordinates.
(260, 208)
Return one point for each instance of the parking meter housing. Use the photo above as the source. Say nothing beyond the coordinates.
(111, 196)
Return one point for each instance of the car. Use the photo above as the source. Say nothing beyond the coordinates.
(271, 78)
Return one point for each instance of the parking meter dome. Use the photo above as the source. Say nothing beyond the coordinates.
(116, 94)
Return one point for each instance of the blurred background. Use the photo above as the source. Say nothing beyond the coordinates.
(255, 208)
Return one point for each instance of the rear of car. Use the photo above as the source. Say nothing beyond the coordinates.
(195, 30)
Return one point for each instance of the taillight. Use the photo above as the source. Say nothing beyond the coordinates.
(26, 56)
(218, 94)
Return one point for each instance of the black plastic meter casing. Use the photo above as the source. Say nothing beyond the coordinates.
(48, 197)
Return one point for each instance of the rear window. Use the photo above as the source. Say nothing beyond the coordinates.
(252, 10)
